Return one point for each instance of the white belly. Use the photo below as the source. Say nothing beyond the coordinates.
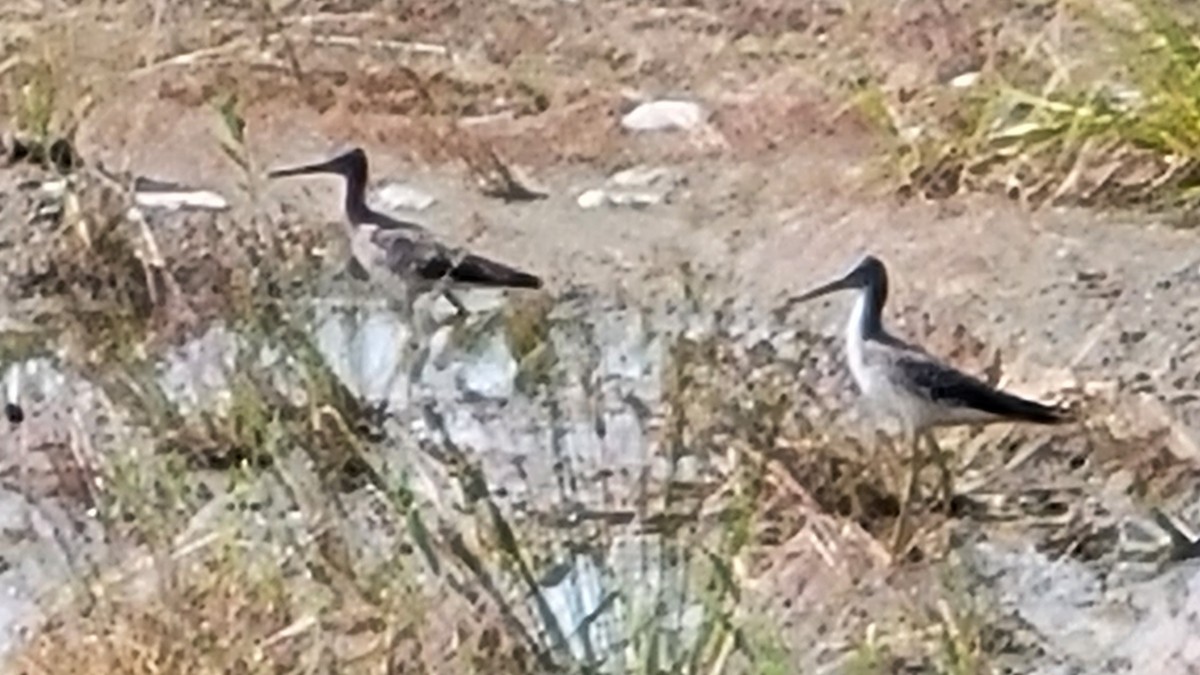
(883, 396)
(889, 396)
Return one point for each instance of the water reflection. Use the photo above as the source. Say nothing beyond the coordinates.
(573, 438)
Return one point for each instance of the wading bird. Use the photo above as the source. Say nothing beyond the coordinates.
(400, 254)
(402, 257)
(906, 383)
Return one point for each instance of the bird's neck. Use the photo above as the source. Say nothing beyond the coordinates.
(865, 324)
(356, 196)
(866, 320)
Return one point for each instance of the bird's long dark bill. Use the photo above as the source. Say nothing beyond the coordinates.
(322, 167)
(847, 282)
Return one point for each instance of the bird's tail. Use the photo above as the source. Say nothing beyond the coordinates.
(473, 269)
(1023, 409)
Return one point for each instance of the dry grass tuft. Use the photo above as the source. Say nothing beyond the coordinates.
(237, 607)
(210, 620)
(1049, 119)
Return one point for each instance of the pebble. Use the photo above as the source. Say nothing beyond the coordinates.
(642, 176)
(638, 199)
(965, 80)
(154, 194)
(399, 196)
(196, 200)
(53, 189)
(664, 116)
(637, 187)
(596, 197)
(592, 199)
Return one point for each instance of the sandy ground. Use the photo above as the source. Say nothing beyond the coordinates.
(1054, 289)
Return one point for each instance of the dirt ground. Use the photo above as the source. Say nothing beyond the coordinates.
(780, 188)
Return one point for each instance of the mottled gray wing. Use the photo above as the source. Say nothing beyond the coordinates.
(409, 253)
(946, 386)
(421, 257)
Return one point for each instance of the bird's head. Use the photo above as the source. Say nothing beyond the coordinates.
(350, 165)
(868, 273)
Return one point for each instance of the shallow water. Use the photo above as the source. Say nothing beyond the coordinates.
(572, 449)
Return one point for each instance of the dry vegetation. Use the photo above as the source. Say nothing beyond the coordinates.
(1026, 105)
(1094, 103)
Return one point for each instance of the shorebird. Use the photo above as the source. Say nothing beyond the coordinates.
(403, 257)
(901, 380)
(398, 253)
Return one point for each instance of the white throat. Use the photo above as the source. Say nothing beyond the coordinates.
(855, 342)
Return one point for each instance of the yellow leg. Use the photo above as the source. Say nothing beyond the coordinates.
(458, 304)
(900, 531)
(947, 475)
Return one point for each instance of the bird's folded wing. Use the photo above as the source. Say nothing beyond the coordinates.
(942, 384)
(423, 258)
(409, 254)
(474, 269)
(938, 382)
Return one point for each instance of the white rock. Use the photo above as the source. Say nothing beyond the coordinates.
(398, 196)
(592, 199)
(965, 80)
(636, 199)
(203, 200)
(53, 188)
(636, 187)
(664, 116)
(642, 176)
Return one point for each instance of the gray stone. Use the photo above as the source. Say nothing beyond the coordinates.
(664, 116)
(402, 197)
